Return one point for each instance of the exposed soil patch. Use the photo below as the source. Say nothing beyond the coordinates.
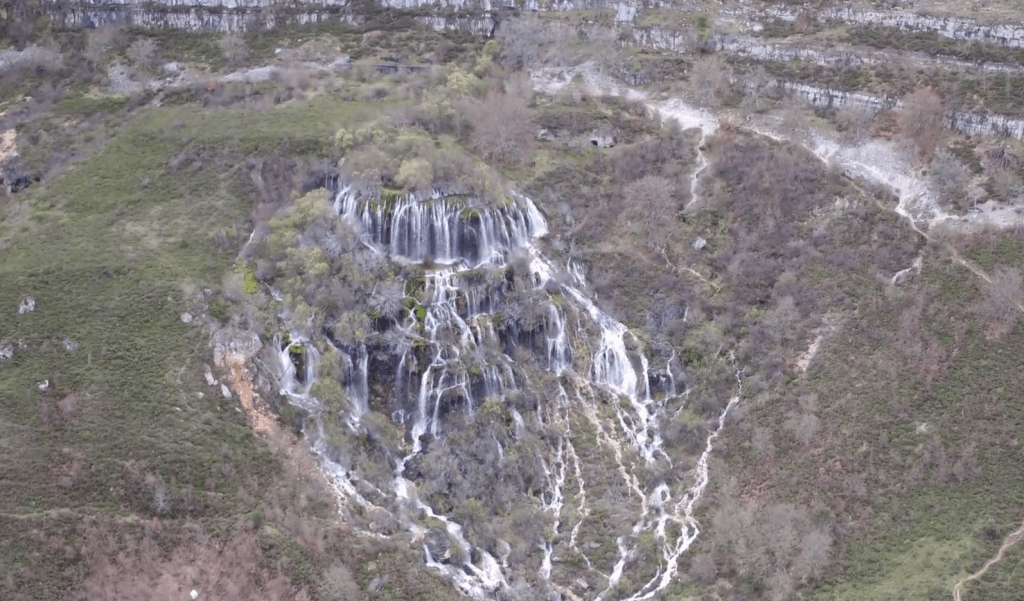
(260, 419)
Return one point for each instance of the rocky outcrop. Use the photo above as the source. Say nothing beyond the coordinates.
(217, 4)
(27, 305)
(970, 123)
(478, 25)
(825, 97)
(957, 28)
(846, 57)
(979, 124)
(195, 19)
(664, 38)
(232, 342)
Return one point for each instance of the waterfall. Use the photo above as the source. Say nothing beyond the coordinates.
(494, 316)
(440, 228)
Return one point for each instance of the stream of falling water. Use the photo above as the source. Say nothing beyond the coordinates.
(457, 327)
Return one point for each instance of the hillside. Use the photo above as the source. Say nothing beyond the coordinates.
(550, 300)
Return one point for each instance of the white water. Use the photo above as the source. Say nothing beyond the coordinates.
(467, 363)
(914, 269)
(602, 375)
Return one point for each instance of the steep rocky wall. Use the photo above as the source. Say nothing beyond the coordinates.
(195, 19)
(227, 15)
(963, 121)
(957, 28)
(481, 17)
(760, 50)
(212, 4)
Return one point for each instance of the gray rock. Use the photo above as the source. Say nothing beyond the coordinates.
(233, 341)
(172, 68)
(438, 544)
(545, 135)
(186, 317)
(602, 139)
(121, 82)
(582, 584)
(625, 13)
(6, 351)
(224, 390)
(43, 385)
(70, 345)
(699, 243)
(210, 380)
(27, 305)
(378, 582)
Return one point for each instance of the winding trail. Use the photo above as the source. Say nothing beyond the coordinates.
(1011, 539)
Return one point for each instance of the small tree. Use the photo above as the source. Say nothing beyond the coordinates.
(921, 119)
(803, 426)
(950, 177)
(99, 43)
(710, 79)
(527, 41)
(1008, 186)
(815, 548)
(757, 82)
(1003, 296)
(234, 48)
(387, 297)
(502, 127)
(702, 569)
(338, 584)
(142, 53)
(648, 201)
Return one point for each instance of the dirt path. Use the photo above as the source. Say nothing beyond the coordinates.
(1011, 539)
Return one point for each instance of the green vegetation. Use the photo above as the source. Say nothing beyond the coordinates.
(114, 250)
(885, 468)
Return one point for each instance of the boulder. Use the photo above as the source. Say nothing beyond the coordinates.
(239, 344)
(699, 243)
(14, 178)
(27, 305)
(438, 545)
(602, 139)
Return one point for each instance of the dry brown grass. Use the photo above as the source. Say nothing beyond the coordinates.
(124, 563)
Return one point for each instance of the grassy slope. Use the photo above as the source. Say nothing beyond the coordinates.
(913, 531)
(111, 264)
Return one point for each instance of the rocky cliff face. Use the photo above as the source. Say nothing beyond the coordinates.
(221, 15)
(195, 19)
(957, 28)
(481, 17)
(963, 121)
(847, 56)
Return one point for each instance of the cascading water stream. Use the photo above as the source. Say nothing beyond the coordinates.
(460, 359)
